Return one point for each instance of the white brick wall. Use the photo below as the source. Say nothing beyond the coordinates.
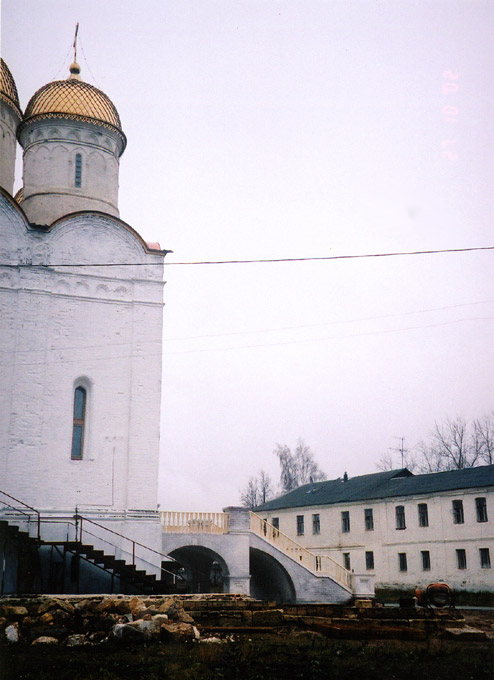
(61, 326)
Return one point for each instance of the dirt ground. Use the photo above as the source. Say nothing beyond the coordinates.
(297, 654)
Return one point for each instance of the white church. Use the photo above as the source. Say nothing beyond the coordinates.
(81, 303)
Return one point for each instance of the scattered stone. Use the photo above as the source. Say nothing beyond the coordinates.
(212, 641)
(54, 603)
(466, 633)
(137, 606)
(125, 632)
(12, 632)
(77, 640)
(14, 612)
(47, 617)
(45, 640)
(179, 631)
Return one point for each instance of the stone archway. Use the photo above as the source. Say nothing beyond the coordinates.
(269, 579)
(205, 571)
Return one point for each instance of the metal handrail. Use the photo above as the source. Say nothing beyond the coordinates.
(321, 565)
(25, 505)
(82, 519)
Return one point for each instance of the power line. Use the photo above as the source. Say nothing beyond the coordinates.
(328, 323)
(253, 261)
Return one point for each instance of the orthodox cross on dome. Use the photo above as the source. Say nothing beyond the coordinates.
(75, 69)
(75, 41)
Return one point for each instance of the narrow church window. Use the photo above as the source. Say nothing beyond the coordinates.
(78, 169)
(426, 560)
(369, 519)
(316, 524)
(78, 423)
(300, 525)
(346, 561)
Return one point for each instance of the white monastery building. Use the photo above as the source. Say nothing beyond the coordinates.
(403, 529)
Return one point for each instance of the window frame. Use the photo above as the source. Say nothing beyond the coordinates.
(78, 171)
(485, 558)
(369, 519)
(425, 556)
(481, 509)
(77, 446)
(400, 517)
(300, 525)
(402, 562)
(369, 560)
(461, 558)
(316, 523)
(423, 513)
(347, 562)
(458, 511)
(345, 521)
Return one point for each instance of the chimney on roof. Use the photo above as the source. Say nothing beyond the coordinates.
(345, 477)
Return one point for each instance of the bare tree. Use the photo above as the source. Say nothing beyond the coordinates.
(483, 433)
(297, 468)
(258, 490)
(450, 446)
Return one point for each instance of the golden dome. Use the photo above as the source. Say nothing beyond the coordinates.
(76, 100)
(8, 90)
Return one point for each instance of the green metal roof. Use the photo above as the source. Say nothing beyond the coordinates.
(381, 485)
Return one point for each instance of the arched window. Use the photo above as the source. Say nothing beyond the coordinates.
(78, 169)
(78, 423)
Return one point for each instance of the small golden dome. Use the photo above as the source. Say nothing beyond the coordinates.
(76, 100)
(8, 90)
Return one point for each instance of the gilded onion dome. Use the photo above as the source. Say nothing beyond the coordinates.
(8, 89)
(74, 99)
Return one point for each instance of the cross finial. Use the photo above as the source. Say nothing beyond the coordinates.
(75, 41)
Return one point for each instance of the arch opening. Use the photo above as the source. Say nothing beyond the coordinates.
(269, 579)
(203, 570)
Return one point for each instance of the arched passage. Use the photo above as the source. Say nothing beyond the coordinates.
(269, 579)
(205, 571)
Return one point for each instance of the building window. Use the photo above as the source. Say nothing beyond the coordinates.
(458, 517)
(345, 521)
(369, 560)
(316, 524)
(426, 560)
(300, 525)
(275, 521)
(369, 519)
(78, 423)
(400, 517)
(481, 507)
(461, 559)
(346, 561)
(402, 561)
(318, 563)
(78, 170)
(423, 515)
(485, 558)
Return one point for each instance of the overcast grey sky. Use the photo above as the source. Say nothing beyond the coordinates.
(281, 129)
